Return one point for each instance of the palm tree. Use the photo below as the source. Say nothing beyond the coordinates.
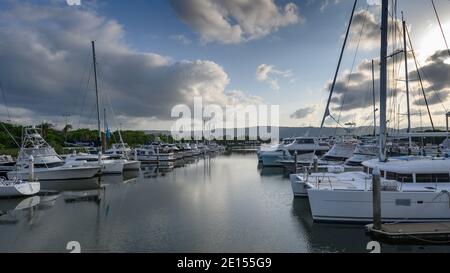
(45, 127)
(66, 130)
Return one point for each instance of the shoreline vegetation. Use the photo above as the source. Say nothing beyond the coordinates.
(60, 140)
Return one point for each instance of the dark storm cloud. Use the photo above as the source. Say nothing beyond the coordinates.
(436, 77)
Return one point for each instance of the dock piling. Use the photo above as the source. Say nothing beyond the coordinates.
(376, 190)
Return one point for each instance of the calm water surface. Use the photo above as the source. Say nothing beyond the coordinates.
(221, 204)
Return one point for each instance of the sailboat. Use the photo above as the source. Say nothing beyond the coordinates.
(118, 156)
(412, 189)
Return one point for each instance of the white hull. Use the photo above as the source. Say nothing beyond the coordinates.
(130, 165)
(58, 173)
(17, 190)
(357, 207)
(271, 159)
(155, 158)
(112, 167)
(299, 188)
(7, 168)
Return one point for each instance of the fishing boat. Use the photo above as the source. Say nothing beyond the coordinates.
(300, 146)
(155, 153)
(48, 165)
(18, 188)
(107, 164)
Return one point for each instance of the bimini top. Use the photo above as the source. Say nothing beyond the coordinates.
(411, 165)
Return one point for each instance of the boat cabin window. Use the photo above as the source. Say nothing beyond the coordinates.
(305, 141)
(49, 165)
(433, 178)
(403, 178)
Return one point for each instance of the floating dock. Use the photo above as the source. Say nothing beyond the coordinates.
(422, 233)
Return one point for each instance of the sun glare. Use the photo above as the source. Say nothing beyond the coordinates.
(432, 41)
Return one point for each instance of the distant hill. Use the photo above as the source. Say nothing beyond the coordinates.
(309, 131)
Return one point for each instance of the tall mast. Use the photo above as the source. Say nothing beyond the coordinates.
(374, 101)
(327, 110)
(405, 51)
(383, 78)
(96, 95)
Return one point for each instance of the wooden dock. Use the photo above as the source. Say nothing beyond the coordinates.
(415, 233)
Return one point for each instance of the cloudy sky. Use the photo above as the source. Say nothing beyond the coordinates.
(156, 54)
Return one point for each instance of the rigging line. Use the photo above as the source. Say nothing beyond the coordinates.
(112, 109)
(440, 26)
(83, 75)
(10, 135)
(327, 109)
(5, 101)
(83, 101)
(431, 87)
(338, 123)
(420, 80)
(353, 67)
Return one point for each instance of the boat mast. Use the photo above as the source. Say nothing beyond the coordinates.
(374, 101)
(96, 95)
(327, 109)
(405, 51)
(383, 78)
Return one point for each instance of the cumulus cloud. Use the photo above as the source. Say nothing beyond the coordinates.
(235, 21)
(73, 2)
(46, 63)
(354, 91)
(365, 30)
(303, 112)
(181, 39)
(270, 75)
(436, 74)
(325, 3)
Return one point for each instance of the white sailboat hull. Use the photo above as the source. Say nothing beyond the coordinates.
(22, 189)
(357, 206)
(58, 173)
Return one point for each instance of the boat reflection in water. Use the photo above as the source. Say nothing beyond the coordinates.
(270, 171)
(71, 185)
(337, 238)
(9, 208)
(156, 170)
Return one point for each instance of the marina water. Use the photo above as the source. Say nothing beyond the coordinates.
(213, 204)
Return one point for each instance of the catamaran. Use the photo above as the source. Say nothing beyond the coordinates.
(413, 189)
